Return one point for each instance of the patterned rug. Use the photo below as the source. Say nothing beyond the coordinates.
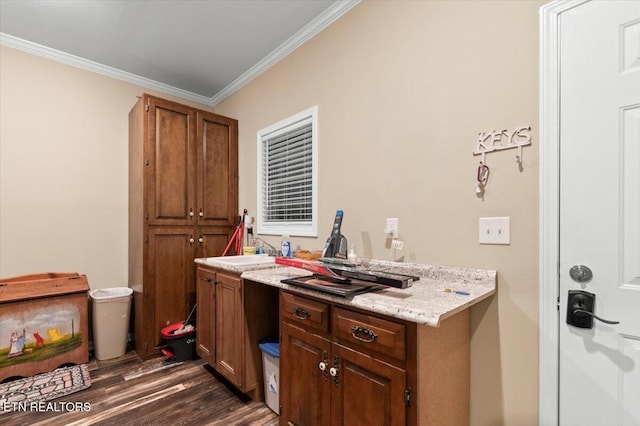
(21, 393)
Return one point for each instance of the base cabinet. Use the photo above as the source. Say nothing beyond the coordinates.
(346, 366)
(233, 316)
(323, 381)
(229, 334)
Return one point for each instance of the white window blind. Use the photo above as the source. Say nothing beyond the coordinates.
(287, 176)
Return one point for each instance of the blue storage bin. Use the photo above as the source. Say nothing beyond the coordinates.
(271, 372)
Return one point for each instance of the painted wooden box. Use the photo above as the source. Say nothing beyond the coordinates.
(43, 323)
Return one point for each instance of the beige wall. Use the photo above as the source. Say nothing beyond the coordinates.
(403, 88)
(63, 169)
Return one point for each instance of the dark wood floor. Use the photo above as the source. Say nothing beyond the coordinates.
(127, 391)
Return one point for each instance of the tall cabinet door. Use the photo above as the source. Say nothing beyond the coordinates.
(212, 241)
(229, 336)
(169, 163)
(305, 386)
(171, 273)
(217, 169)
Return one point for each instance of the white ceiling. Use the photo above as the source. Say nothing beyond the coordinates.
(201, 50)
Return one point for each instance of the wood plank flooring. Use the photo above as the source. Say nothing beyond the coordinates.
(127, 391)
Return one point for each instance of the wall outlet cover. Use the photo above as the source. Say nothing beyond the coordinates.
(391, 227)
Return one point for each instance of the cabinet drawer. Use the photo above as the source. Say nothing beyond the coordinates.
(306, 312)
(370, 333)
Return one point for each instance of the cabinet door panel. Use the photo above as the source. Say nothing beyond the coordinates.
(171, 169)
(205, 282)
(229, 328)
(305, 389)
(212, 241)
(217, 170)
(171, 272)
(370, 392)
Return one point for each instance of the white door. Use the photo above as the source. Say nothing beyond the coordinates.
(599, 379)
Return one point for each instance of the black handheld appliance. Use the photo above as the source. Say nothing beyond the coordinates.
(336, 245)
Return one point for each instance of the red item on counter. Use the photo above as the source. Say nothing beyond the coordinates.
(310, 265)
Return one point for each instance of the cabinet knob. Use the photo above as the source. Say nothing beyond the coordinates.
(333, 371)
(191, 240)
(191, 213)
(201, 213)
(322, 366)
(200, 239)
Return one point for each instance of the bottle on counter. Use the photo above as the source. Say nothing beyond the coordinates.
(351, 256)
(285, 246)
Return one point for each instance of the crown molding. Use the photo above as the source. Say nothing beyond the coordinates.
(326, 18)
(322, 21)
(76, 61)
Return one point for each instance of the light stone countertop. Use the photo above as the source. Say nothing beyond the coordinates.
(426, 302)
(238, 269)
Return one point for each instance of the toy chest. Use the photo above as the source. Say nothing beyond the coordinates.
(43, 323)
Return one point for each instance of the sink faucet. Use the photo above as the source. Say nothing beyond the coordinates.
(272, 251)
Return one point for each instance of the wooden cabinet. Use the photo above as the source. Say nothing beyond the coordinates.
(345, 366)
(183, 185)
(229, 325)
(305, 388)
(233, 317)
(205, 285)
(326, 382)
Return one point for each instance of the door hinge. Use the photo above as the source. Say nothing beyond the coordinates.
(407, 397)
(146, 215)
(558, 303)
(146, 162)
(146, 107)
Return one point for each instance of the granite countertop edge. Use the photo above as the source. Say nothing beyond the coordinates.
(426, 302)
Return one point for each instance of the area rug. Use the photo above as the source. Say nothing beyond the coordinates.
(25, 394)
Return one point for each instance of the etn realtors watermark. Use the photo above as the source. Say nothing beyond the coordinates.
(46, 407)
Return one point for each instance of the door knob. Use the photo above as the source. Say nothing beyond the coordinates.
(580, 307)
(580, 273)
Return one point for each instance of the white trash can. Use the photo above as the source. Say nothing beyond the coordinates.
(271, 372)
(111, 308)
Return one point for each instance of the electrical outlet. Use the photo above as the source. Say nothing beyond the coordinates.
(494, 230)
(397, 244)
(392, 227)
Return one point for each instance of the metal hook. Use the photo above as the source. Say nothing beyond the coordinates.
(519, 155)
(483, 173)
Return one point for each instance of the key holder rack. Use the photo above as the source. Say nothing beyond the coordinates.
(499, 141)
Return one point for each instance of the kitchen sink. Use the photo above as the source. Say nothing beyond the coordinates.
(252, 259)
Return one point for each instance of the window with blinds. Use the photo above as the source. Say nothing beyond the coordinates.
(287, 176)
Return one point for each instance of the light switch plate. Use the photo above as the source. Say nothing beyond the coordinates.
(494, 230)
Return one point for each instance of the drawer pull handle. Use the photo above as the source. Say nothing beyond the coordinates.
(358, 332)
(301, 313)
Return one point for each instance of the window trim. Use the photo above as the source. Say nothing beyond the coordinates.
(305, 229)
